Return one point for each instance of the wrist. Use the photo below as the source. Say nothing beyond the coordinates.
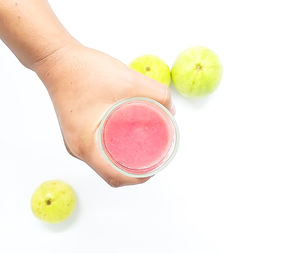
(51, 68)
(47, 55)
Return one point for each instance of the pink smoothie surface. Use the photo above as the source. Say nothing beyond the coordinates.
(138, 135)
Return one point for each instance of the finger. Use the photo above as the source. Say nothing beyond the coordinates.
(109, 174)
(148, 87)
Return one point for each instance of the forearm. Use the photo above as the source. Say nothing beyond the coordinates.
(31, 30)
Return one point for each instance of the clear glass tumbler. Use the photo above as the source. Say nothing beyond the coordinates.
(138, 137)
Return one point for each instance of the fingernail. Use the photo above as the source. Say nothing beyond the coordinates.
(173, 109)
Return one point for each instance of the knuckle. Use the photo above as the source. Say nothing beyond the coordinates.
(69, 151)
(167, 99)
(77, 146)
(114, 181)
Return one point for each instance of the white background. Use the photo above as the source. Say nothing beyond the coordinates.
(234, 185)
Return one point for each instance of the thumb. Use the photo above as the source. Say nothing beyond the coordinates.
(148, 87)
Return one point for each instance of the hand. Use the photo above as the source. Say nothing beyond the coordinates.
(83, 83)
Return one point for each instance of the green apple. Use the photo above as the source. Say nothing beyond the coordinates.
(53, 201)
(153, 67)
(196, 72)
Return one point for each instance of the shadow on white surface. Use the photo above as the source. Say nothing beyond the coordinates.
(198, 102)
(195, 102)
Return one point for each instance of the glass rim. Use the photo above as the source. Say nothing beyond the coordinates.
(171, 152)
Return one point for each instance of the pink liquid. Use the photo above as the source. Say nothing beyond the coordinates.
(138, 136)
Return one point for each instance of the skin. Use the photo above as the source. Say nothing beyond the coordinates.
(82, 82)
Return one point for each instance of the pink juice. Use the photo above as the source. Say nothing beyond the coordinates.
(137, 136)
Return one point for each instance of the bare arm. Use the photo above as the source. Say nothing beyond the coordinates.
(82, 82)
(31, 30)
